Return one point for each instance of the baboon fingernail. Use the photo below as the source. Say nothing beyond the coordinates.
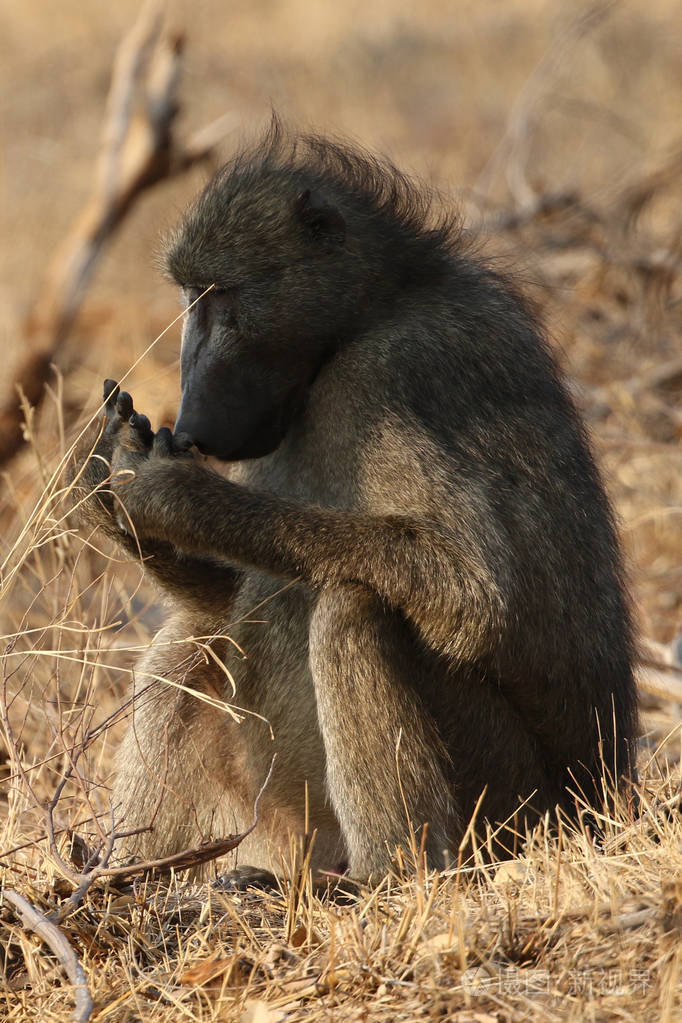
(182, 442)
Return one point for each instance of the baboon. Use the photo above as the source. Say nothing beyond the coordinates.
(409, 546)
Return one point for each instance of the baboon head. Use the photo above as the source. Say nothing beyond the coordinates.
(272, 244)
(299, 240)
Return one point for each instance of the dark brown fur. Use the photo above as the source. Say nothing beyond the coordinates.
(410, 493)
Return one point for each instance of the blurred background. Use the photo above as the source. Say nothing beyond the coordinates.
(557, 128)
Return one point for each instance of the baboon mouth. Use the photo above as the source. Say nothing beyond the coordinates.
(242, 437)
(208, 451)
(256, 446)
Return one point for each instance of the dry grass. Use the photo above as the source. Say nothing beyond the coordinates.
(584, 934)
(573, 930)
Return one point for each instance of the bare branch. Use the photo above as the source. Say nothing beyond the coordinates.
(138, 150)
(639, 193)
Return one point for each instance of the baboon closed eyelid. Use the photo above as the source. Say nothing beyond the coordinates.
(192, 292)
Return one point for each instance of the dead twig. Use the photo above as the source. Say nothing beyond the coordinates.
(636, 196)
(138, 149)
(57, 942)
(193, 857)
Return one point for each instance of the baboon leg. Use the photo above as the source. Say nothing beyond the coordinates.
(387, 770)
(505, 778)
(192, 772)
(181, 767)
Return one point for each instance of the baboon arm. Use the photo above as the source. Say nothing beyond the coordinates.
(202, 583)
(413, 566)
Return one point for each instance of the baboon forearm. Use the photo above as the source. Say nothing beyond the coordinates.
(425, 572)
(199, 583)
(203, 583)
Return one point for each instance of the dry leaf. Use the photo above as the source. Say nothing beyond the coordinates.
(512, 872)
(277, 955)
(443, 943)
(123, 902)
(237, 968)
(299, 938)
(671, 918)
(479, 979)
(258, 1011)
(204, 971)
(332, 980)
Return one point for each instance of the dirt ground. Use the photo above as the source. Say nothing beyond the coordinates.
(557, 128)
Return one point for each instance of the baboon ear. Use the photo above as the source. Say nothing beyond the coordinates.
(321, 220)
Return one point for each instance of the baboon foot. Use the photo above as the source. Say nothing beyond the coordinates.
(244, 879)
(327, 886)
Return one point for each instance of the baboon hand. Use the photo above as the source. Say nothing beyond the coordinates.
(136, 453)
(90, 471)
(118, 410)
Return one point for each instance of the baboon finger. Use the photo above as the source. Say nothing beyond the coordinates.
(124, 406)
(141, 425)
(163, 442)
(111, 392)
(182, 442)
